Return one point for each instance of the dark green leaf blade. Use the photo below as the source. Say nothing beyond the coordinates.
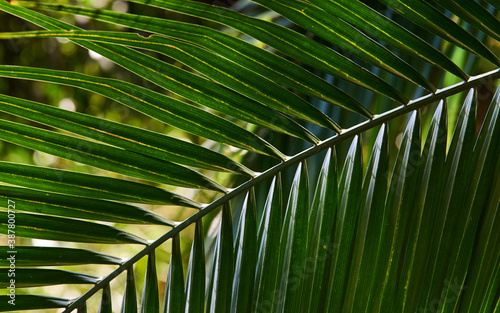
(175, 299)
(82, 308)
(246, 257)
(289, 42)
(186, 84)
(156, 105)
(399, 200)
(490, 300)
(55, 256)
(321, 222)
(56, 228)
(77, 207)
(429, 17)
(486, 151)
(346, 37)
(85, 185)
(344, 229)
(31, 302)
(494, 3)
(265, 63)
(211, 279)
(129, 303)
(296, 243)
(198, 89)
(425, 210)
(29, 277)
(104, 156)
(106, 301)
(450, 217)
(269, 243)
(127, 137)
(223, 266)
(480, 289)
(368, 241)
(228, 74)
(195, 278)
(375, 24)
(475, 14)
(150, 298)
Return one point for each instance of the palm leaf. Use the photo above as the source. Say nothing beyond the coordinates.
(412, 229)
(121, 135)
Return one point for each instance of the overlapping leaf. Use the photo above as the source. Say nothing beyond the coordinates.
(71, 206)
(174, 294)
(475, 14)
(195, 278)
(159, 106)
(129, 303)
(231, 75)
(86, 185)
(158, 72)
(269, 242)
(55, 256)
(340, 33)
(432, 19)
(267, 64)
(105, 157)
(283, 39)
(32, 302)
(121, 135)
(150, 297)
(56, 228)
(28, 277)
(375, 24)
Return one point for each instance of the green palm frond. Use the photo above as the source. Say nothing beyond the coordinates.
(384, 226)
